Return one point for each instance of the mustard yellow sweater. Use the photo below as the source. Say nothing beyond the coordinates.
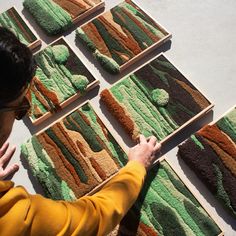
(24, 214)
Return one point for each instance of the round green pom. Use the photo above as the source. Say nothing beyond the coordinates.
(80, 82)
(160, 97)
(61, 53)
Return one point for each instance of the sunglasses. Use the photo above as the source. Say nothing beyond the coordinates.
(20, 111)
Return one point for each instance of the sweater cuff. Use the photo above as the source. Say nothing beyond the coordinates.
(138, 167)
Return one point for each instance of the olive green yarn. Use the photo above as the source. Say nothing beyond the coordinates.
(61, 53)
(81, 35)
(80, 82)
(107, 63)
(49, 15)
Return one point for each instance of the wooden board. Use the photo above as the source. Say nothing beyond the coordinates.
(229, 110)
(166, 205)
(13, 20)
(54, 86)
(121, 36)
(211, 154)
(140, 101)
(70, 11)
(74, 155)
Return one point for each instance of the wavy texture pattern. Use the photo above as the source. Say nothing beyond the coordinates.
(12, 20)
(74, 155)
(155, 100)
(60, 74)
(166, 207)
(211, 154)
(119, 35)
(56, 16)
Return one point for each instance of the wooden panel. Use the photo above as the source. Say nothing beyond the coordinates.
(12, 20)
(156, 99)
(61, 78)
(211, 154)
(74, 155)
(121, 36)
(57, 16)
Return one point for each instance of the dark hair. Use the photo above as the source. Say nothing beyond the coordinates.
(17, 66)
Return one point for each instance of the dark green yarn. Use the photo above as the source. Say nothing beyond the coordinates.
(68, 156)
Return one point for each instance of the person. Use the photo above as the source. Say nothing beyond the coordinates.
(22, 213)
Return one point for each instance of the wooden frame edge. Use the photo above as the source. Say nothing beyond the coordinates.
(214, 218)
(223, 115)
(62, 117)
(76, 96)
(195, 118)
(89, 12)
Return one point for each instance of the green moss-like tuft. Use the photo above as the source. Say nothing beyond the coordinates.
(67, 154)
(61, 53)
(197, 142)
(107, 63)
(168, 219)
(80, 82)
(49, 15)
(80, 34)
(160, 97)
(24, 150)
(204, 222)
(178, 184)
(222, 195)
(86, 131)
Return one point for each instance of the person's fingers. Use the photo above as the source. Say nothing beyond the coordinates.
(142, 139)
(157, 147)
(9, 170)
(4, 148)
(153, 140)
(7, 156)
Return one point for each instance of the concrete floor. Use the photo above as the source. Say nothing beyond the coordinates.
(203, 47)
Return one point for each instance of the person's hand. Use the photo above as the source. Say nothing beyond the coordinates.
(145, 151)
(6, 154)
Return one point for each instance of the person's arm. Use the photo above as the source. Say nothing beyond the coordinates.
(89, 215)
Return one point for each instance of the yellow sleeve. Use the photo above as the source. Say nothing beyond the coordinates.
(25, 214)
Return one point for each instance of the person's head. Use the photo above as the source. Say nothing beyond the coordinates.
(17, 69)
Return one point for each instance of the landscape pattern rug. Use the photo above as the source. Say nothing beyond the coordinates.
(211, 154)
(11, 20)
(60, 78)
(155, 100)
(57, 16)
(74, 155)
(166, 207)
(121, 34)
